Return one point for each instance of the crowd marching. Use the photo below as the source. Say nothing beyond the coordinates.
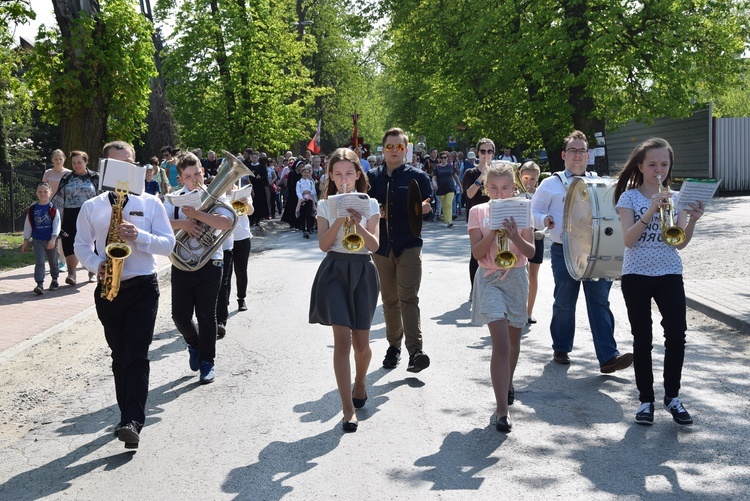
(372, 249)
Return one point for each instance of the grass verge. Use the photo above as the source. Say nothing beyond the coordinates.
(11, 256)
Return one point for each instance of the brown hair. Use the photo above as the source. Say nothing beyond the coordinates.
(395, 131)
(154, 161)
(529, 165)
(576, 134)
(117, 145)
(82, 154)
(631, 176)
(186, 160)
(345, 154)
(484, 140)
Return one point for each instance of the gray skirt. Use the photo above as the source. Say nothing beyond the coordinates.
(345, 291)
(498, 297)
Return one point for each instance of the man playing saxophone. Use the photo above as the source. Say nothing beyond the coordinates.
(128, 318)
(196, 288)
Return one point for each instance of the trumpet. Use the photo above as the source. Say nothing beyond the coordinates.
(240, 207)
(504, 259)
(671, 234)
(352, 240)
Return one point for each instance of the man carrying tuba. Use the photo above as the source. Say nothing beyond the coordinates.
(128, 316)
(195, 288)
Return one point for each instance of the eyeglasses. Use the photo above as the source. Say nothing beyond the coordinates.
(443, 157)
(575, 151)
(397, 147)
(486, 152)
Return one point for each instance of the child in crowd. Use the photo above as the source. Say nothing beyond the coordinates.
(306, 203)
(652, 268)
(42, 224)
(52, 177)
(499, 295)
(152, 186)
(346, 287)
(529, 175)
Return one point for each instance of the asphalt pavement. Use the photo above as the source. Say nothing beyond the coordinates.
(270, 426)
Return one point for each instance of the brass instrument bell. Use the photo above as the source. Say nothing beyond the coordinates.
(671, 234)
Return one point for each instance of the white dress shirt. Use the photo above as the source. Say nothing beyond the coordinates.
(146, 212)
(304, 185)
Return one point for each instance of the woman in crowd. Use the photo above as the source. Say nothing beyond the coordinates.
(52, 177)
(75, 188)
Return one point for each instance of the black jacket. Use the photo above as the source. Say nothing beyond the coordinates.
(395, 234)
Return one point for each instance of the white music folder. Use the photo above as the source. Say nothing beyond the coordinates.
(112, 172)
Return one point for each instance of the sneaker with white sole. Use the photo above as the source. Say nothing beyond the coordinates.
(675, 407)
(645, 414)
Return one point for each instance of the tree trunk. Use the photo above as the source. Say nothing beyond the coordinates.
(83, 128)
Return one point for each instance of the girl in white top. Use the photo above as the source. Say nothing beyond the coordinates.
(52, 177)
(499, 295)
(653, 269)
(346, 287)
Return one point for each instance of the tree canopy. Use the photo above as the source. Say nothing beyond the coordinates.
(530, 71)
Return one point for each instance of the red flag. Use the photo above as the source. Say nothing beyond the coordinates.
(355, 137)
(314, 144)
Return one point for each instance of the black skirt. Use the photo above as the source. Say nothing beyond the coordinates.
(345, 291)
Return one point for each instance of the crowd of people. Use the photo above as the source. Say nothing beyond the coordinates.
(386, 261)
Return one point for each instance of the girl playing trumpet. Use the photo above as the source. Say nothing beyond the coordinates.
(499, 295)
(346, 287)
(653, 269)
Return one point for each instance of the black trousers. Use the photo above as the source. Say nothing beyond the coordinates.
(306, 215)
(222, 301)
(197, 291)
(473, 267)
(128, 323)
(668, 292)
(241, 257)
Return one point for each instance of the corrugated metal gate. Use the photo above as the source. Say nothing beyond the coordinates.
(732, 158)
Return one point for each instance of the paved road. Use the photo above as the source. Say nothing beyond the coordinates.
(269, 427)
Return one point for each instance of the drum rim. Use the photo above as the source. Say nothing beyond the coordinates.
(595, 228)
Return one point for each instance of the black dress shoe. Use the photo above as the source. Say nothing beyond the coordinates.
(359, 402)
(617, 363)
(241, 306)
(129, 434)
(503, 424)
(118, 428)
(511, 396)
(349, 426)
(560, 357)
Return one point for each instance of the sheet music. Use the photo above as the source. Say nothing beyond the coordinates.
(192, 199)
(693, 190)
(518, 207)
(111, 171)
(338, 204)
(241, 193)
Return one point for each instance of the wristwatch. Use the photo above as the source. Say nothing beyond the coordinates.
(478, 183)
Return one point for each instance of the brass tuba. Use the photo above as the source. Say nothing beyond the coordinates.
(191, 254)
(671, 234)
(116, 250)
(504, 259)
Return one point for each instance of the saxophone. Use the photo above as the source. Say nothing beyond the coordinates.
(117, 250)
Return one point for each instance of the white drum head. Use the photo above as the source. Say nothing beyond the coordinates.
(592, 233)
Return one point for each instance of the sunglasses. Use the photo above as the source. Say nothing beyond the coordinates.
(443, 157)
(397, 147)
(486, 152)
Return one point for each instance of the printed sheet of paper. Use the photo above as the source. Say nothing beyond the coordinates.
(693, 190)
(241, 193)
(112, 171)
(338, 204)
(192, 199)
(517, 207)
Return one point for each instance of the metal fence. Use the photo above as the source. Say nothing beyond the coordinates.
(17, 192)
(732, 150)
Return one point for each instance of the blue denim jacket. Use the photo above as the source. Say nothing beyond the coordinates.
(395, 234)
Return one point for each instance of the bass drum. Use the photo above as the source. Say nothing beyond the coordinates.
(592, 234)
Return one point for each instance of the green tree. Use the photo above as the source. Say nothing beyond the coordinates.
(92, 76)
(530, 71)
(234, 74)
